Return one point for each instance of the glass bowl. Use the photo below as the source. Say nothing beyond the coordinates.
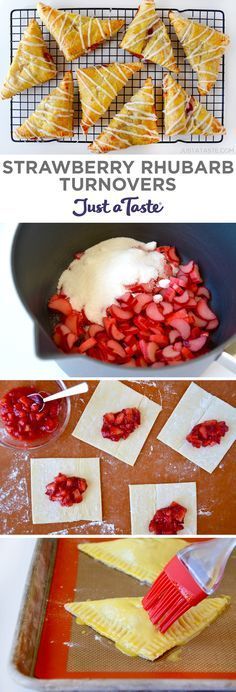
(49, 386)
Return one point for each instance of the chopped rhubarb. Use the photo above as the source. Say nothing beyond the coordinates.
(67, 490)
(207, 434)
(151, 324)
(22, 417)
(168, 520)
(120, 425)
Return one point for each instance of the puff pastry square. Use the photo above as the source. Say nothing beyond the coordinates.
(203, 47)
(99, 86)
(31, 65)
(43, 471)
(135, 124)
(186, 115)
(113, 397)
(145, 500)
(53, 117)
(196, 406)
(75, 33)
(142, 558)
(125, 622)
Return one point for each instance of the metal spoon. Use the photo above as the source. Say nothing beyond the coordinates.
(71, 391)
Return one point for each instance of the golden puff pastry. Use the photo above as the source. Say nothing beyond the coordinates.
(76, 34)
(31, 65)
(136, 123)
(99, 86)
(159, 48)
(147, 37)
(53, 117)
(203, 47)
(124, 621)
(137, 34)
(142, 558)
(184, 114)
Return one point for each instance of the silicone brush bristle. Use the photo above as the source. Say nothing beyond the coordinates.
(173, 592)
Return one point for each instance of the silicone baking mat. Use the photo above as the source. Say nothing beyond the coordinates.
(67, 650)
(25, 103)
(157, 463)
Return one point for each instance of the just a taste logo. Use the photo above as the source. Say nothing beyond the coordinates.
(127, 206)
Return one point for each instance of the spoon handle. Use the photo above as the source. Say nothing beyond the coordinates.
(71, 391)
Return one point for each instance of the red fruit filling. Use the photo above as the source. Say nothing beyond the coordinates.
(168, 520)
(117, 426)
(68, 490)
(22, 417)
(148, 326)
(207, 434)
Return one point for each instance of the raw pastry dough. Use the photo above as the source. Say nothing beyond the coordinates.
(125, 621)
(53, 116)
(76, 34)
(99, 86)
(147, 37)
(145, 500)
(186, 115)
(43, 471)
(111, 397)
(195, 406)
(31, 65)
(142, 558)
(136, 123)
(203, 47)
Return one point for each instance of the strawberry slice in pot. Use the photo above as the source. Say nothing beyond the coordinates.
(67, 490)
(168, 520)
(207, 434)
(120, 425)
(60, 303)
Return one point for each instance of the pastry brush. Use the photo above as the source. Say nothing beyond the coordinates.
(192, 575)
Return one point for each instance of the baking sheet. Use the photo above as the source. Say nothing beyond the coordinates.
(67, 650)
(157, 463)
(22, 105)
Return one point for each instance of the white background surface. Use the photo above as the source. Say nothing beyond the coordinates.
(229, 7)
(16, 554)
(17, 356)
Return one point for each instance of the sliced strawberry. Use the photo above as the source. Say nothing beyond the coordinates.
(66, 490)
(208, 433)
(168, 520)
(60, 304)
(120, 425)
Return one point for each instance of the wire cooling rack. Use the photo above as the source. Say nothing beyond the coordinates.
(25, 103)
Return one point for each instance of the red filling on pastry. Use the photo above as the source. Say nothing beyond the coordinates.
(207, 434)
(120, 425)
(68, 490)
(168, 520)
(138, 330)
(22, 417)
